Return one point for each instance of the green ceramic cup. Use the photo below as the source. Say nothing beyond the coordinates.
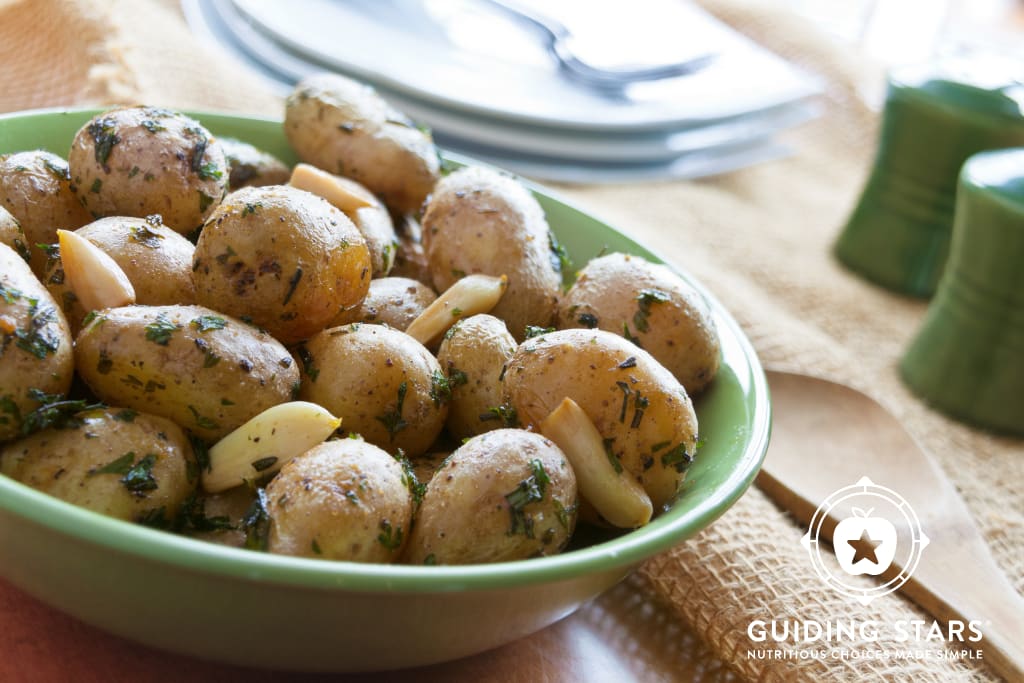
(968, 358)
(936, 116)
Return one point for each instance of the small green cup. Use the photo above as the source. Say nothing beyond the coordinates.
(968, 358)
(936, 116)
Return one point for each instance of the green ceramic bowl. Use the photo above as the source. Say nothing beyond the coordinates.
(262, 610)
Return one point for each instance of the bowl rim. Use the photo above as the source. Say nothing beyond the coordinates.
(204, 557)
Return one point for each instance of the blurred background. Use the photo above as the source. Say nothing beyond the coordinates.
(580, 90)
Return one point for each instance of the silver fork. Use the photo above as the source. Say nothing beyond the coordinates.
(559, 42)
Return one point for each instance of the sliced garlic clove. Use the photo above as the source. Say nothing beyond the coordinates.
(471, 295)
(266, 442)
(347, 195)
(614, 493)
(93, 276)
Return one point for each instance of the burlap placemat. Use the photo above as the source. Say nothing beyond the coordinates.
(759, 238)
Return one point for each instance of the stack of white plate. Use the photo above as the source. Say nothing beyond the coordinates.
(489, 85)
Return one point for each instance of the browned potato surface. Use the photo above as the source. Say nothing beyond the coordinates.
(36, 188)
(640, 409)
(249, 166)
(140, 161)
(504, 495)
(391, 301)
(115, 461)
(342, 500)
(653, 307)
(206, 371)
(473, 355)
(479, 221)
(345, 127)
(285, 258)
(35, 344)
(382, 383)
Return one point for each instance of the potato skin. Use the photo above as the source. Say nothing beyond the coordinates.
(67, 463)
(36, 188)
(636, 404)
(342, 500)
(345, 127)
(157, 261)
(282, 256)
(13, 236)
(249, 166)
(666, 316)
(140, 161)
(479, 221)
(206, 371)
(466, 516)
(358, 373)
(411, 258)
(473, 356)
(35, 343)
(391, 301)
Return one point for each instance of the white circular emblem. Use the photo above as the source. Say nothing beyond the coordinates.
(865, 542)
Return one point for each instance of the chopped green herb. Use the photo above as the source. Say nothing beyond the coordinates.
(209, 171)
(205, 201)
(456, 312)
(452, 330)
(430, 560)
(506, 413)
(155, 519)
(139, 479)
(392, 420)
(409, 478)
(306, 358)
(646, 298)
(560, 260)
(534, 331)
(640, 403)
(119, 466)
(134, 172)
(54, 412)
(160, 330)
(202, 421)
(23, 250)
(126, 415)
(529, 490)
(293, 282)
(223, 257)
(678, 457)
(104, 136)
(626, 391)
(613, 459)
(458, 274)
(390, 537)
(256, 522)
(152, 126)
(316, 548)
(628, 363)
(145, 237)
(201, 452)
(563, 513)
(626, 333)
(456, 378)
(440, 388)
(204, 323)
(97, 185)
(193, 513)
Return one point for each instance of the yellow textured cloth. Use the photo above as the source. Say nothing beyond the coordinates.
(759, 238)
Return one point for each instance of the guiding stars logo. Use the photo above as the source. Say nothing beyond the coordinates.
(866, 539)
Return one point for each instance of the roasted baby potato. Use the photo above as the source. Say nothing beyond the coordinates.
(382, 383)
(342, 500)
(35, 188)
(345, 127)
(410, 258)
(140, 161)
(249, 166)
(479, 221)
(206, 371)
(370, 216)
(391, 301)
(640, 409)
(473, 356)
(653, 307)
(35, 344)
(504, 495)
(285, 258)
(115, 461)
(157, 261)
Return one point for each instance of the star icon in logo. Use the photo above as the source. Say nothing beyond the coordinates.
(864, 548)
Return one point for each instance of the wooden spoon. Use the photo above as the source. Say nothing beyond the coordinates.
(827, 436)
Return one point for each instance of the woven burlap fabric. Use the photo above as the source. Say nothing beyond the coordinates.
(759, 239)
